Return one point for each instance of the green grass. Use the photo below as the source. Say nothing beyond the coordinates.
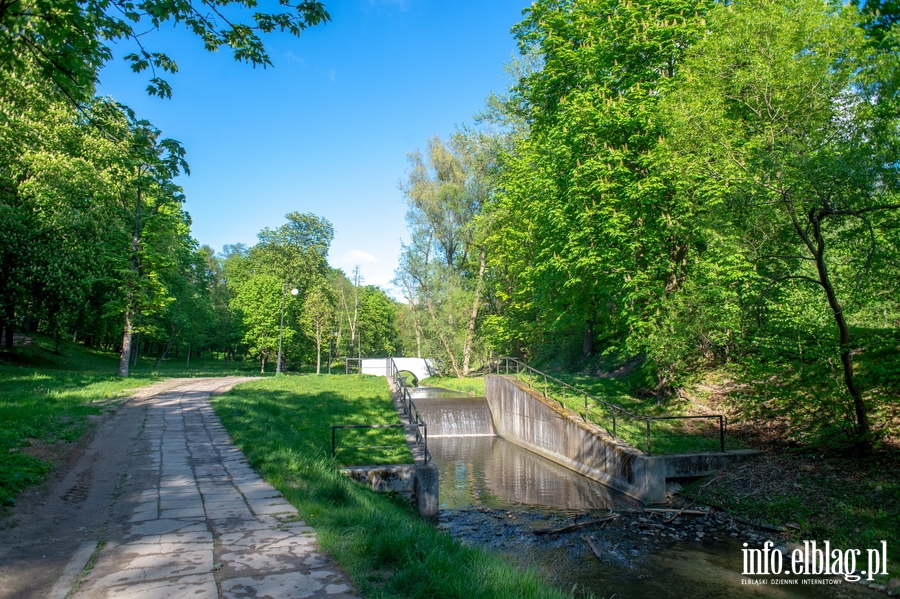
(307, 407)
(473, 385)
(853, 503)
(43, 403)
(388, 551)
(666, 436)
(46, 397)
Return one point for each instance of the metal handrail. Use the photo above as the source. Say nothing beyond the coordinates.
(335, 447)
(409, 408)
(614, 409)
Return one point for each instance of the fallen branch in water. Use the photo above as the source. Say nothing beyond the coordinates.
(681, 512)
(762, 525)
(593, 548)
(571, 527)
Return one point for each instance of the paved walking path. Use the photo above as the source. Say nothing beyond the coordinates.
(202, 523)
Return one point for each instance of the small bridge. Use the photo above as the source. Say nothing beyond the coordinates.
(422, 368)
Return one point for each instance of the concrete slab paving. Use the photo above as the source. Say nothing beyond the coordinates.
(204, 524)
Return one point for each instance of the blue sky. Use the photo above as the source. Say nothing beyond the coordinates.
(327, 130)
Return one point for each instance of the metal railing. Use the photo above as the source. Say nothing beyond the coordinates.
(416, 422)
(617, 414)
(348, 367)
(336, 427)
(409, 409)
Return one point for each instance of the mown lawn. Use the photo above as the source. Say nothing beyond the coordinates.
(282, 426)
(473, 385)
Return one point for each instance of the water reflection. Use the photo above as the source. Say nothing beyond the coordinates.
(490, 471)
(477, 468)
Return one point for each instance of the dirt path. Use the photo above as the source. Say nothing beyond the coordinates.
(161, 504)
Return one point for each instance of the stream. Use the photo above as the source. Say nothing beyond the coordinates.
(497, 494)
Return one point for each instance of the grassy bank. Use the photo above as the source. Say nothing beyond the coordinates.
(282, 427)
(301, 411)
(852, 501)
(473, 385)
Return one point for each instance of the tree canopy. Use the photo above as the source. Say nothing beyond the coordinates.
(69, 40)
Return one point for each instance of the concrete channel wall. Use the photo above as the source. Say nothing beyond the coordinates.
(525, 417)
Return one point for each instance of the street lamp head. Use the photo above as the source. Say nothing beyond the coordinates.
(295, 291)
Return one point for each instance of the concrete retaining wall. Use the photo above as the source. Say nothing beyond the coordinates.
(416, 482)
(523, 416)
(692, 465)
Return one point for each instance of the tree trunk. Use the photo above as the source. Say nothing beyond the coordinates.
(863, 430)
(587, 344)
(440, 335)
(470, 331)
(318, 348)
(817, 250)
(125, 356)
(262, 364)
(135, 352)
(10, 313)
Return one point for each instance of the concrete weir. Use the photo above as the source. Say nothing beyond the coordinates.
(527, 418)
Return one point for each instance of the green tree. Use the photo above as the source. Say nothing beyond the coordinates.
(318, 315)
(442, 269)
(775, 112)
(590, 238)
(379, 333)
(259, 304)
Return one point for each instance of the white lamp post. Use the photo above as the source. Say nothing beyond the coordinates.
(294, 292)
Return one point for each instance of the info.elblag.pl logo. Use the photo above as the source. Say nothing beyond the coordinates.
(813, 560)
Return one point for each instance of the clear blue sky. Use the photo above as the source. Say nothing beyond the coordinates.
(327, 130)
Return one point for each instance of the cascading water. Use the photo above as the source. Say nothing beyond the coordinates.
(454, 416)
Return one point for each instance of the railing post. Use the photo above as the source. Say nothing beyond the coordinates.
(648, 436)
(614, 424)
(722, 434)
(332, 441)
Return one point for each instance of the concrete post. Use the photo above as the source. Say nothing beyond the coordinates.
(427, 490)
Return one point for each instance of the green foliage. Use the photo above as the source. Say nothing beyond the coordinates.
(442, 270)
(807, 190)
(67, 39)
(704, 185)
(386, 549)
(590, 237)
(259, 304)
(377, 322)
